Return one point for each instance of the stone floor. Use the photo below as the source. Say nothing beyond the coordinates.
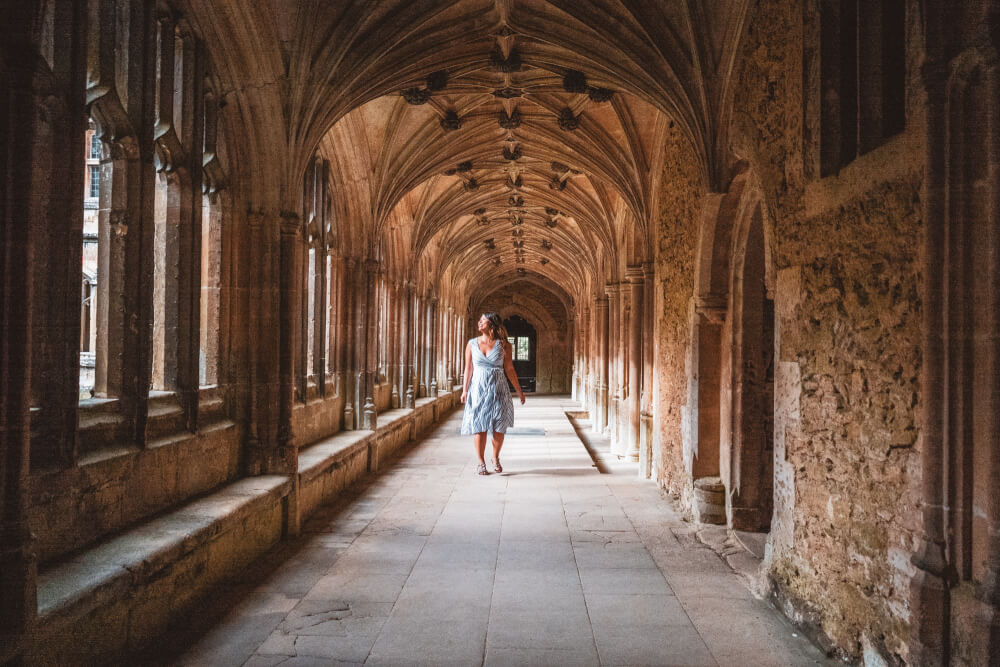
(549, 563)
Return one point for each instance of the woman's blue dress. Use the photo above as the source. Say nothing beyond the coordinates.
(488, 407)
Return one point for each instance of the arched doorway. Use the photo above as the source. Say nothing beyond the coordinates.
(524, 345)
(752, 491)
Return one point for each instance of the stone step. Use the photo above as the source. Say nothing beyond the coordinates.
(115, 597)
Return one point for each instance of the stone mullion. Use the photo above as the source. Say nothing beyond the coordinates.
(392, 336)
(332, 334)
(349, 346)
(456, 365)
(229, 365)
(189, 276)
(360, 289)
(409, 310)
(370, 344)
(319, 314)
(338, 348)
(420, 389)
(138, 263)
(435, 342)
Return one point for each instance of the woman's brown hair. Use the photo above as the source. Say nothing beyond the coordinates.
(496, 327)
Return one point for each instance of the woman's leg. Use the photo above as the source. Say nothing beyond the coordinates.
(497, 444)
(480, 440)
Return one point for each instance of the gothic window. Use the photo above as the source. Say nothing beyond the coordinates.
(95, 147)
(862, 65)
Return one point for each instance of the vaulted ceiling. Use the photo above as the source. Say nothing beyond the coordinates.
(491, 138)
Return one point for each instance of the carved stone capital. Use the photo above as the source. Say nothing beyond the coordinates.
(290, 223)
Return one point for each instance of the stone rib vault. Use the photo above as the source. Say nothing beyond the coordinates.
(756, 243)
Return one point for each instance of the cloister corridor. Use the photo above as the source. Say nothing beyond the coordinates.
(548, 563)
(743, 255)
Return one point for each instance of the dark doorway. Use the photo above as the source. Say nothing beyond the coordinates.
(523, 341)
(753, 437)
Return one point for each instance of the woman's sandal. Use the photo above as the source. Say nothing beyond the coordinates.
(481, 469)
(496, 466)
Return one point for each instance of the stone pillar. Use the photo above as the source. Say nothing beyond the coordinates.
(575, 379)
(410, 348)
(370, 345)
(614, 315)
(419, 389)
(449, 346)
(635, 278)
(18, 130)
(395, 350)
(435, 343)
(340, 312)
(290, 260)
(646, 398)
(53, 211)
(349, 288)
(603, 362)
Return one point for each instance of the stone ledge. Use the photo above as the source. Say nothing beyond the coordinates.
(331, 464)
(113, 597)
(328, 453)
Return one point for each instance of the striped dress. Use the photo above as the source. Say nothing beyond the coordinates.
(488, 407)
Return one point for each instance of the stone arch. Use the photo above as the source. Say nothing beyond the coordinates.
(707, 315)
(747, 387)
(552, 369)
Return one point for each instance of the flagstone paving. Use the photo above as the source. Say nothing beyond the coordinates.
(549, 563)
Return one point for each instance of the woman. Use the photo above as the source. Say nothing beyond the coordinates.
(488, 405)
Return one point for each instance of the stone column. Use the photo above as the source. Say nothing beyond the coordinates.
(635, 278)
(619, 428)
(449, 346)
(419, 388)
(603, 360)
(52, 209)
(370, 345)
(435, 342)
(575, 378)
(646, 397)
(18, 566)
(191, 135)
(410, 352)
(340, 312)
(394, 347)
(290, 260)
(348, 319)
(614, 352)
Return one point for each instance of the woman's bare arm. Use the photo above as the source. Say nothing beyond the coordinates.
(508, 366)
(468, 372)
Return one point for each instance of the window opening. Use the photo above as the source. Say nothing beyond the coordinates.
(89, 323)
(863, 76)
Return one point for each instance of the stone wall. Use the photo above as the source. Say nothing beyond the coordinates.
(674, 244)
(846, 249)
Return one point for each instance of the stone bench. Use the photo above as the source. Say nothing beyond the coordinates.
(334, 463)
(112, 598)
